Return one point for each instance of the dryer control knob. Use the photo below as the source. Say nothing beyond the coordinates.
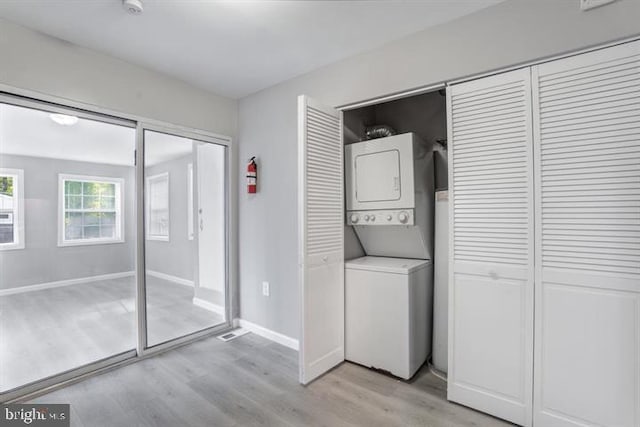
(389, 217)
(403, 217)
(373, 217)
(355, 218)
(366, 217)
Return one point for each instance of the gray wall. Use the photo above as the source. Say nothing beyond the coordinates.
(509, 33)
(41, 260)
(36, 62)
(177, 256)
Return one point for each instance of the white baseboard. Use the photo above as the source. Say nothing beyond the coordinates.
(209, 306)
(60, 283)
(170, 278)
(267, 333)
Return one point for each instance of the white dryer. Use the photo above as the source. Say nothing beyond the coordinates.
(389, 195)
(388, 311)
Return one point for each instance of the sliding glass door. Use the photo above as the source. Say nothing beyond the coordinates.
(67, 241)
(185, 235)
(113, 241)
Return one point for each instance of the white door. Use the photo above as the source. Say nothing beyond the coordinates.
(321, 238)
(491, 245)
(587, 156)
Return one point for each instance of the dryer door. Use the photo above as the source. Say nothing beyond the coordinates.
(377, 176)
(379, 173)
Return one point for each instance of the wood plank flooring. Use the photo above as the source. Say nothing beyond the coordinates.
(47, 332)
(253, 382)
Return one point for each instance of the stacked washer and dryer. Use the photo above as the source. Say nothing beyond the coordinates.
(389, 292)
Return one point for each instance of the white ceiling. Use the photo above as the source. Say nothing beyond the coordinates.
(28, 132)
(234, 47)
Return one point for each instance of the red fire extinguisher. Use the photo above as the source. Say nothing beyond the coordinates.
(252, 176)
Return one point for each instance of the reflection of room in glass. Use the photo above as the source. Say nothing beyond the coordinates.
(185, 258)
(158, 207)
(67, 275)
(6, 209)
(11, 201)
(91, 208)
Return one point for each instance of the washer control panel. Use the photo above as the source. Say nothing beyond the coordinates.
(381, 217)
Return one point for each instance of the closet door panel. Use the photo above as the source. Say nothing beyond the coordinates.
(587, 159)
(491, 245)
(321, 238)
(589, 357)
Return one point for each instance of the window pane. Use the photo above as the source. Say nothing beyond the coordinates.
(107, 202)
(97, 203)
(73, 219)
(72, 187)
(90, 188)
(91, 232)
(6, 185)
(107, 189)
(72, 233)
(159, 222)
(107, 232)
(6, 235)
(108, 218)
(73, 202)
(91, 218)
(91, 202)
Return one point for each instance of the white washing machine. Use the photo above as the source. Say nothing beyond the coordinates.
(388, 311)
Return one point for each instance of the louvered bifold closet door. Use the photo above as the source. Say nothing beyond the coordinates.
(491, 246)
(587, 156)
(321, 237)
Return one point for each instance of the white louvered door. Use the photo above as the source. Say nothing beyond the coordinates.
(491, 245)
(321, 237)
(587, 156)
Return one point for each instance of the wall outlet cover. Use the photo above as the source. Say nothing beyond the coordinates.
(265, 289)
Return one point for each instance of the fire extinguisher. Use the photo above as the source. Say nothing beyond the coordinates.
(252, 176)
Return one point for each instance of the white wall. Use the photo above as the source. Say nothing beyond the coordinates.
(509, 33)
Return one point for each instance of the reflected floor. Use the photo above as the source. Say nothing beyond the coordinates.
(46, 332)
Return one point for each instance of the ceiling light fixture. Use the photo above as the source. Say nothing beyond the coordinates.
(63, 119)
(134, 7)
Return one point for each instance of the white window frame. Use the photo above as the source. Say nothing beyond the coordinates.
(18, 209)
(119, 207)
(190, 225)
(149, 181)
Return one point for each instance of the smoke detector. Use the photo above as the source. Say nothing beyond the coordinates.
(134, 7)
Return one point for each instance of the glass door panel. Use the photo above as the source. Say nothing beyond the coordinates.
(185, 235)
(67, 242)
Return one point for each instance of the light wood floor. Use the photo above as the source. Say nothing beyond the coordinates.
(253, 382)
(47, 332)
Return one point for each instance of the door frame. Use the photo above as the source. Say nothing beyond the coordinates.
(38, 101)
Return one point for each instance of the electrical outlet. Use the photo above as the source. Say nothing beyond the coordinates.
(590, 4)
(265, 289)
